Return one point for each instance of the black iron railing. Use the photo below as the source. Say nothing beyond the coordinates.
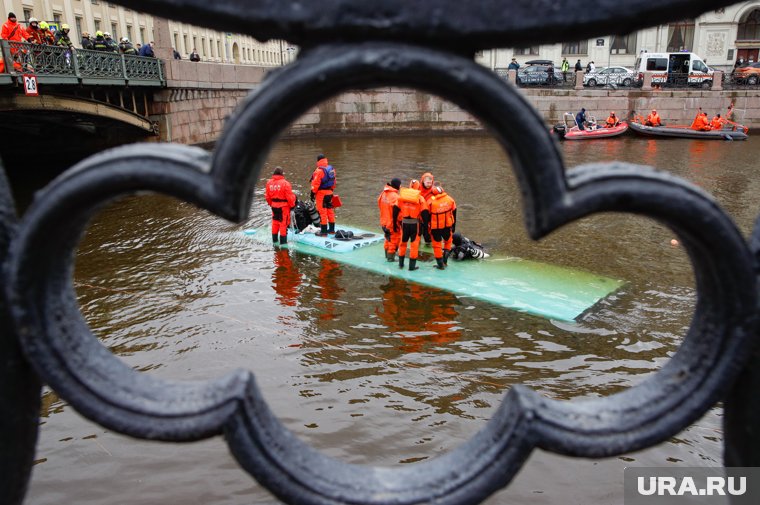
(359, 44)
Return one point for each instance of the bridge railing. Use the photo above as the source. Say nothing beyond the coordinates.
(61, 65)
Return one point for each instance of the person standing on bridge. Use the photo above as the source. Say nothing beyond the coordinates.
(62, 38)
(87, 41)
(113, 47)
(279, 195)
(322, 186)
(12, 31)
(147, 50)
(100, 44)
(33, 33)
(126, 47)
(194, 56)
(47, 36)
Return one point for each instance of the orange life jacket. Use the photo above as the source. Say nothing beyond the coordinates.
(385, 203)
(442, 211)
(279, 193)
(654, 119)
(701, 122)
(410, 203)
(717, 123)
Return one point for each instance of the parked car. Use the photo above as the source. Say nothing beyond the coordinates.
(537, 74)
(749, 74)
(619, 76)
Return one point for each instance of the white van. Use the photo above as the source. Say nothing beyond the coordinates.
(674, 68)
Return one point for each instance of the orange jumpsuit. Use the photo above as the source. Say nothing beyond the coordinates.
(426, 190)
(701, 123)
(443, 211)
(279, 195)
(716, 123)
(611, 122)
(407, 213)
(653, 119)
(385, 203)
(323, 192)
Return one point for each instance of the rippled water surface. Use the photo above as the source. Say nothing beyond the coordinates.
(369, 369)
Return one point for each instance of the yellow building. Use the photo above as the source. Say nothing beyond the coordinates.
(93, 15)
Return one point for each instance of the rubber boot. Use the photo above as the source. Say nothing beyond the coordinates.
(446, 254)
(322, 231)
(390, 257)
(413, 264)
(331, 228)
(439, 264)
(401, 261)
(275, 238)
(283, 239)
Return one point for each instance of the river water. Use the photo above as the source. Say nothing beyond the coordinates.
(369, 369)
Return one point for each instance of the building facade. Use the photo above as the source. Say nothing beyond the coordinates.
(719, 37)
(93, 15)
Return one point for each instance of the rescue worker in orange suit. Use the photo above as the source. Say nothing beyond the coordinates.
(33, 33)
(717, 122)
(12, 31)
(443, 220)
(322, 186)
(385, 203)
(612, 121)
(279, 195)
(426, 190)
(701, 123)
(653, 119)
(409, 215)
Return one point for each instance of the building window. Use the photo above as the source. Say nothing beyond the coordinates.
(97, 25)
(130, 35)
(219, 48)
(203, 46)
(526, 51)
(184, 43)
(142, 35)
(680, 36)
(623, 44)
(78, 24)
(57, 18)
(176, 42)
(195, 43)
(27, 14)
(113, 31)
(575, 48)
(749, 27)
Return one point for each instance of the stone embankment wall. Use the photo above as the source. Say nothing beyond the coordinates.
(199, 98)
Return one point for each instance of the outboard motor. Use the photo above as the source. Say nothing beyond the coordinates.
(559, 129)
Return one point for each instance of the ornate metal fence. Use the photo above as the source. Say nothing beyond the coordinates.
(350, 44)
(58, 65)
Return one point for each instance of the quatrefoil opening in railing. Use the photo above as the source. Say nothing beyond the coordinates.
(66, 354)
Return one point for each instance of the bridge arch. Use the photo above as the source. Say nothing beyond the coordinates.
(75, 105)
